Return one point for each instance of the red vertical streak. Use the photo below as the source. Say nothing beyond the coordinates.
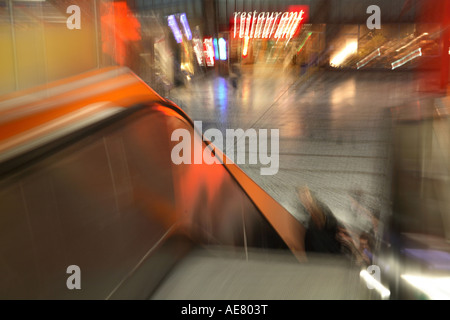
(445, 45)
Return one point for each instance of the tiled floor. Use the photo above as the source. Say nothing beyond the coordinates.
(334, 129)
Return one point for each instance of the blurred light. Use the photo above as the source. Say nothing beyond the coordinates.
(339, 58)
(209, 51)
(247, 28)
(187, 67)
(245, 49)
(222, 49)
(281, 27)
(175, 30)
(259, 26)
(185, 23)
(304, 41)
(295, 24)
(241, 27)
(267, 27)
(368, 58)
(436, 259)
(263, 24)
(414, 40)
(416, 53)
(437, 288)
(198, 49)
(221, 94)
(382, 290)
(216, 49)
(118, 27)
(289, 24)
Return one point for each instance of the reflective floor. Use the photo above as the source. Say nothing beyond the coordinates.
(334, 127)
(364, 142)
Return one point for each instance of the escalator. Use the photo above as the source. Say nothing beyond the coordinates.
(87, 180)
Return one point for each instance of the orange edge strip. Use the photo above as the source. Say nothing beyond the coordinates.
(126, 96)
(289, 228)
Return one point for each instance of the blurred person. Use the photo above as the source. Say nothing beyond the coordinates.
(349, 246)
(365, 257)
(325, 233)
(235, 74)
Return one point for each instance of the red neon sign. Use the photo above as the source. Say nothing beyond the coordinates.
(265, 25)
(209, 51)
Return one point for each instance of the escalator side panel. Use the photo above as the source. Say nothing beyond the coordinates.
(68, 210)
(105, 202)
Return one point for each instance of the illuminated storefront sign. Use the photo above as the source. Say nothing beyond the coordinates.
(175, 29)
(216, 49)
(185, 23)
(173, 24)
(198, 49)
(222, 49)
(265, 25)
(208, 51)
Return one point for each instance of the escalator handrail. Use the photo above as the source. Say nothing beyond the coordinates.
(289, 228)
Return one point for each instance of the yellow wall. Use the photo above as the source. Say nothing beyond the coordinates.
(44, 51)
(7, 78)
